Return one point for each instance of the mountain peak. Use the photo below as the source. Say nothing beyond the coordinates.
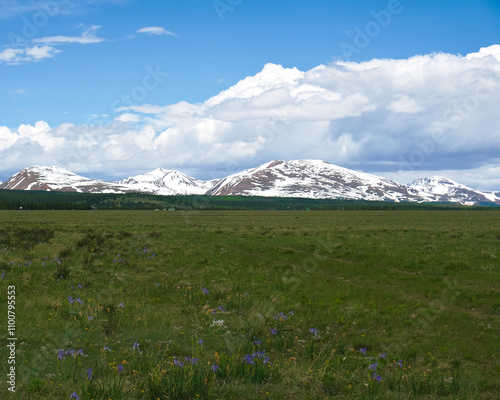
(307, 178)
(435, 179)
(47, 169)
(56, 178)
(439, 188)
(166, 182)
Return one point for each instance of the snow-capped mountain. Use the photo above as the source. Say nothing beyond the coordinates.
(313, 179)
(166, 182)
(438, 188)
(298, 178)
(59, 179)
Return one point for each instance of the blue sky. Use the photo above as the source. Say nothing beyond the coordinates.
(90, 73)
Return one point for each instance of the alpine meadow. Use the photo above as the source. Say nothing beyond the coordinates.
(249, 200)
(252, 304)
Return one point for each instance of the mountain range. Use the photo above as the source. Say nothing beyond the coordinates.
(297, 178)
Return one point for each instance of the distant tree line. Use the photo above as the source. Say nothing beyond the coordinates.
(40, 200)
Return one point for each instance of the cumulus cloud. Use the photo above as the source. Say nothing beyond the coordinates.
(402, 119)
(23, 55)
(155, 30)
(404, 104)
(127, 117)
(7, 138)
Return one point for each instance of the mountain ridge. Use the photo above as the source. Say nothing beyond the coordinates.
(308, 178)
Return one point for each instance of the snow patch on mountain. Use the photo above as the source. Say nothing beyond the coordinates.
(312, 179)
(297, 178)
(58, 179)
(166, 182)
(438, 188)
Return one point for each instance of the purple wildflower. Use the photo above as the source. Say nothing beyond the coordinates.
(106, 348)
(214, 367)
(121, 305)
(256, 342)
(280, 316)
(249, 359)
(89, 318)
(157, 284)
(373, 367)
(363, 351)
(80, 352)
(136, 346)
(74, 396)
(400, 363)
(71, 300)
(314, 331)
(259, 354)
(273, 331)
(79, 301)
(89, 374)
(60, 354)
(266, 360)
(193, 360)
(120, 367)
(200, 342)
(178, 362)
(376, 377)
(382, 355)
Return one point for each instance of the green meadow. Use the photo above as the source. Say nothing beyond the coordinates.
(250, 304)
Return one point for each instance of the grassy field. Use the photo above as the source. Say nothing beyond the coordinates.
(250, 304)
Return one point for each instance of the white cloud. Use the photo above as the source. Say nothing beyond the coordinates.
(426, 115)
(405, 105)
(11, 55)
(39, 53)
(88, 36)
(493, 51)
(27, 54)
(44, 47)
(127, 117)
(7, 138)
(155, 30)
